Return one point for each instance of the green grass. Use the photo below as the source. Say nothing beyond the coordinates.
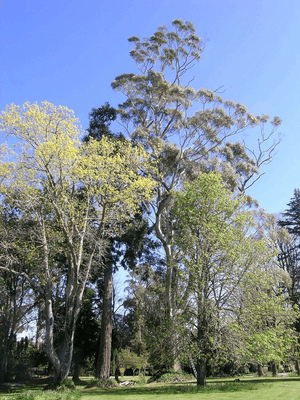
(249, 388)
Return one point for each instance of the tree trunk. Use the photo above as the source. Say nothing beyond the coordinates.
(3, 365)
(260, 370)
(169, 307)
(51, 353)
(297, 366)
(274, 368)
(76, 360)
(201, 360)
(66, 355)
(104, 357)
(201, 371)
(193, 366)
(39, 325)
(117, 370)
(61, 364)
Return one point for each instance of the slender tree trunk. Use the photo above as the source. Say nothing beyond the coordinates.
(104, 357)
(168, 285)
(170, 303)
(39, 325)
(193, 366)
(202, 359)
(117, 370)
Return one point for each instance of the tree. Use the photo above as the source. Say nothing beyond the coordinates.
(145, 315)
(289, 256)
(265, 317)
(122, 249)
(83, 191)
(17, 300)
(219, 250)
(159, 113)
(289, 253)
(86, 333)
(129, 359)
(100, 120)
(291, 217)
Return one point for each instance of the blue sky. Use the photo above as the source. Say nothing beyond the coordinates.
(69, 52)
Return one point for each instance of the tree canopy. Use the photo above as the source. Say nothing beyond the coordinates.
(166, 196)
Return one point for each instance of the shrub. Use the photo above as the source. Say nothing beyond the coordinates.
(102, 383)
(164, 376)
(48, 395)
(66, 385)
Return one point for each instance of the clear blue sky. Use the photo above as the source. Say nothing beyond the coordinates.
(68, 53)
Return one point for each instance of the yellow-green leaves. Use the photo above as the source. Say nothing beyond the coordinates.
(51, 166)
(211, 220)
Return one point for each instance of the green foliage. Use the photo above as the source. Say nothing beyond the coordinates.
(142, 380)
(71, 193)
(165, 376)
(235, 302)
(129, 359)
(47, 395)
(159, 112)
(77, 196)
(289, 256)
(102, 383)
(68, 384)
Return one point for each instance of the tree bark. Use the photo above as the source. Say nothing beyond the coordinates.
(297, 366)
(3, 365)
(274, 368)
(104, 357)
(201, 371)
(202, 359)
(260, 370)
(61, 363)
(76, 360)
(117, 370)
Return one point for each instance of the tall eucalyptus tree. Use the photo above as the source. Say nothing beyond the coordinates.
(185, 131)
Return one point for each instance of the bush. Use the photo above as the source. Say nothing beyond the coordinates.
(142, 380)
(102, 383)
(164, 376)
(66, 385)
(48, 395)
(61, 387)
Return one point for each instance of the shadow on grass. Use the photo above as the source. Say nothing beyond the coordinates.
(32, 384)
(258, 380)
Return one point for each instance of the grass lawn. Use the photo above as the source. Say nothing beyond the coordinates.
(249, 388)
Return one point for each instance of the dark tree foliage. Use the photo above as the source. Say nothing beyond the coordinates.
(100, 120)
(289, 256)
(86, 334)
(17, 300)
(291, 216)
